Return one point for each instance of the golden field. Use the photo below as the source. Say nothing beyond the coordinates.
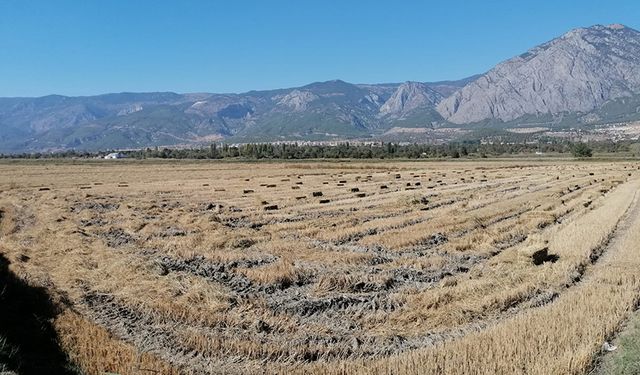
(470, 267)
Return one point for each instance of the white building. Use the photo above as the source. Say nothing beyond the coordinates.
(115, 155)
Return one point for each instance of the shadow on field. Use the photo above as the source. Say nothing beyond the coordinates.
(27, 340)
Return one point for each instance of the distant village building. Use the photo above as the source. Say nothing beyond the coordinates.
(115, 155)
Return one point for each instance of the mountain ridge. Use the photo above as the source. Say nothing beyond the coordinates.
(318, 110)
(584, 77)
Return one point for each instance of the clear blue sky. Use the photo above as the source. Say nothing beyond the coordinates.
(86, 47)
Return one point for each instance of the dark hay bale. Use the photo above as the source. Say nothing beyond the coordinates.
(301, 197)
(295, 187)
(355, 190)
(264, 203)
(44, 189)
(213, 206)
(299, 182)
(85, 187)
(543, 256)
(247, 191)
(361, 195)
(271, 185)
(343, 181)
(205, 184)
(384, 187)
(398, 176)
(219, 189)
(317, 193)
(323, 201)
(418, 183)
(340, 185)
(271, 208)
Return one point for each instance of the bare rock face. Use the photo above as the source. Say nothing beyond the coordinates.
(577, 72)
(298, 100)
(410, 96)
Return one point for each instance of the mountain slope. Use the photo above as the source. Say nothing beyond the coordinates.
(319, 111)
(410, 96)
(577, 72)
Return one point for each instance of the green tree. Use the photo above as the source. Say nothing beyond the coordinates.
(581, 150)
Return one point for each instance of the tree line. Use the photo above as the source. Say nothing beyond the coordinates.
(346, 150)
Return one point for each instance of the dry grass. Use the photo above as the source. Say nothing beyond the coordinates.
(179, 273)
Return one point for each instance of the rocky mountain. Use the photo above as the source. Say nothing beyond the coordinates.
(577, 72)
(408, 97)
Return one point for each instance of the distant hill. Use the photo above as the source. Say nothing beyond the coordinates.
(318, 111)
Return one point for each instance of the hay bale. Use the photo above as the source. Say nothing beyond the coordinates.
(272, 207)
(361, 195)
(542, 256)
(324, 201)
(355, 190)
(295, 187)
(301, 197)
(384, 187)
(317, 193)
(247, 191)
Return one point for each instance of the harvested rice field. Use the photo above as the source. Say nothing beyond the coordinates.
(492, 267)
